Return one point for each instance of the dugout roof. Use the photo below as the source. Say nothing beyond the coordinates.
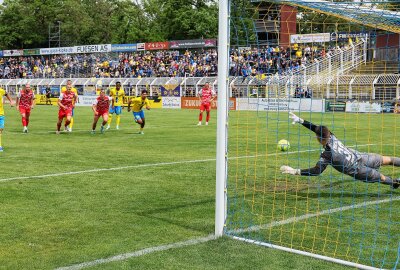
(352, 11)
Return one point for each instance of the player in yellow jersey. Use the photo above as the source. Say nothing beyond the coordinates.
(3, 93)
(137, 104)
(118, 94)
(73, 89)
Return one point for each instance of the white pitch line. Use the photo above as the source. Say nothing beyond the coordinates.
(138, 253)
(307, 216)
(151, 165)
(125, 256)
(102, 170)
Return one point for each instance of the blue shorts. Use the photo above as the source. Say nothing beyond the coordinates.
(138, 115)
(117, 110)
(2, 122)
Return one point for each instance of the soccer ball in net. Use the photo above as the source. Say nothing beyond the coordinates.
(283, 145)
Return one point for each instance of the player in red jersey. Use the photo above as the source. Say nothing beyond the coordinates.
(206, 96)
(100, 108)
(66, 103)
(25, 103)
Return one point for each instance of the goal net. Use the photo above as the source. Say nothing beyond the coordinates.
(333, 64)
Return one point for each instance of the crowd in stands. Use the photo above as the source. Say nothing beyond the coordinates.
(195, 63)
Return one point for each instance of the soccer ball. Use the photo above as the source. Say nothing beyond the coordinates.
(283, 145)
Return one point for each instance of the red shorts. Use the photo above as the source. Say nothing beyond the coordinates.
(102, 113)
(24, 110)
(205, 107)
(64, 113)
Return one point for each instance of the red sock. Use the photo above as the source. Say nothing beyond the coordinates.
(24, 121)
(200, 117)
(208, 117)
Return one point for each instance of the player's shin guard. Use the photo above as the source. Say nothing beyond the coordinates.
(118, 119)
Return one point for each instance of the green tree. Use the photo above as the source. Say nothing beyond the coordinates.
(184, 19)
(25, 23)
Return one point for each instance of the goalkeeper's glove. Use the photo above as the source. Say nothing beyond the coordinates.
(290, 170)
(295, 118)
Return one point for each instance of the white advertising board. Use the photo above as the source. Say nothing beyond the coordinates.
(281, 104)
(86, 100)
(171, 102)
(93, 48)
(363, 107)
(59, 50)
(310, 38)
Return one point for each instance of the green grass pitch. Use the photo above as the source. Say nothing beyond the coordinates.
(121, 192)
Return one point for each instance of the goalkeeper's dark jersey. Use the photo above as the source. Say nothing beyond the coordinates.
(343, 159)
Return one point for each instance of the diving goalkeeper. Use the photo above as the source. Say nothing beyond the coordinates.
(361, 166)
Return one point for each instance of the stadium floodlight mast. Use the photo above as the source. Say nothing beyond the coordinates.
(222, 116)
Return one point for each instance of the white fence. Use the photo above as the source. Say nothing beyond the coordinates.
(378, 86)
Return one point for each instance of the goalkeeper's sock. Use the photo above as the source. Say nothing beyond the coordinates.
(118, 119)
(394, 183)
(396, 161)
(71, 123)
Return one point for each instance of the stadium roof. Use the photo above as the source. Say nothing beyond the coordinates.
(351, 11)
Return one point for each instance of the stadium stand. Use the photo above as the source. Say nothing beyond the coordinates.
(244, 62)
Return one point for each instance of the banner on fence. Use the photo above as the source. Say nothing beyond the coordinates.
(171, 102)
(281, 104)
(100, 48)
(193, 43)
(344, 36)
(123, 47)
(31, 51)
(310, 38)
(335, 106)
(86, 100)
(151, 46)
(13, 52)
(170, 90)
(59, 50)
(194, 103)
(41, 100)
(363, 107)
(140, 46)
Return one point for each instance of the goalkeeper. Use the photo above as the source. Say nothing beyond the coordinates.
(361, 166)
